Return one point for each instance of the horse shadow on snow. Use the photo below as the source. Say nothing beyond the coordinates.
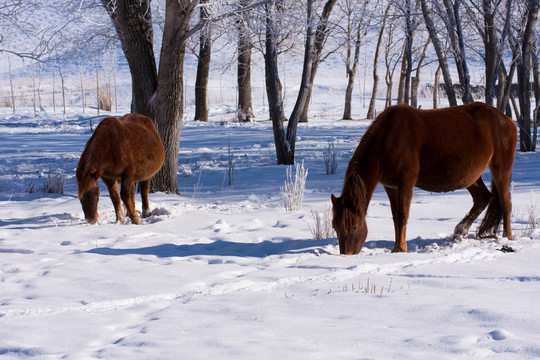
(280, 246)
(220, 247)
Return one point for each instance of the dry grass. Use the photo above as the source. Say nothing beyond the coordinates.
(52, 184)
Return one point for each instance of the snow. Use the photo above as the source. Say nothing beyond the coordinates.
(225, 272)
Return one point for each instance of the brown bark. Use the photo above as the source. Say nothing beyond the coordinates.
(133, 23)
(450, 93)
(320, 38)
(169, 99)
(371, 108)
(245, 107)
(526, 141)
(203, 67)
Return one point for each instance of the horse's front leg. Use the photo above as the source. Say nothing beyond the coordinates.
(115, 198)
(144, 188)
(128, 197)
(400, 203)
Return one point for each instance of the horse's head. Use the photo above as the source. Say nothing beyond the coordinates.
(89, 194)
(349, 221)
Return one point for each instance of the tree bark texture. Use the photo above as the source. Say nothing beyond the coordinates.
(527, 143)
(169, 100)
(450, 93)
(285, 141)
(320, 38)
(203, 66)
(351, 74)
(133, 24)
(371, 108)
(245, 102)
(406, 65)
(455, 32)
(273, 87)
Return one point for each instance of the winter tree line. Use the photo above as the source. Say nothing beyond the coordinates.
(404, 35)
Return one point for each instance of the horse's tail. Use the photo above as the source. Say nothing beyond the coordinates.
(490, 224)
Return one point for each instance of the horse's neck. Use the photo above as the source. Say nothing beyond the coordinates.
(362, 178)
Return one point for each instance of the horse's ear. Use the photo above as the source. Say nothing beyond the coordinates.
(334, 199)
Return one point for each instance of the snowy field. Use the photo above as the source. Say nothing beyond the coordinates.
(224, 272)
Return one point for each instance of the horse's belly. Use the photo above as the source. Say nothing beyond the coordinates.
(448, 178)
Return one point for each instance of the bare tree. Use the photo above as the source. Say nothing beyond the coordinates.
(441, 56)
(407, 58)
(415, 81)
(358, 21)
(245, 45)
(162, 90)
(133, 23)
(285, 140)
(392, 55)
(322, 32)
(203, 64)
(526, 139)
(492, 21)
(371, 108)
(457, 40)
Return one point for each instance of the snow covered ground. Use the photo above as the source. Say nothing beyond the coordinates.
(224, 272)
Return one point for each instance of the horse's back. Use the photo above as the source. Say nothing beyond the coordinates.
(128, 147)
(445, 149)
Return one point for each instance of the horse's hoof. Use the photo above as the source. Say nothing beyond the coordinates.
(399, 249)
(457, 238)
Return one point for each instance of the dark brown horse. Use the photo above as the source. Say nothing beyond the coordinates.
(126, 151)
(435, 150)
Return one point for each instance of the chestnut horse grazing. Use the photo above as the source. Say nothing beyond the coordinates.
(125, 151)
(434, 150)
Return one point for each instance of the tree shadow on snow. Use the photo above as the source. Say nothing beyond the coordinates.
(224, 248)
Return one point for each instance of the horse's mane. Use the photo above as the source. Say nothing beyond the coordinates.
(90, 164)
(354, 189)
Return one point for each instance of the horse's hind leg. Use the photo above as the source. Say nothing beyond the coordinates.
(128, 197)
(144, 188)
(115, 198)
(481, 197)
(499, 209)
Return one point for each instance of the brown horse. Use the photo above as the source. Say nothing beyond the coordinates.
(434, 150)
(125, 151)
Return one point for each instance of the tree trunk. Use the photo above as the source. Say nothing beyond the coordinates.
(415, 81)
(285, 142)
(436, 88)
(505, 82)
(245, 107)
(491, 55)
(406, 65)
(133, 23)
(440, 54)
(273, 87)
(455, 31)
(320, 38)
(351, 74)
(169, 99)
(371, 109)
(203, 66)
(527, 143)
